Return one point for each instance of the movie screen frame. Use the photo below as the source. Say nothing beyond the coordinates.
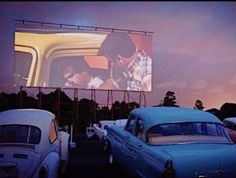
(82, 59)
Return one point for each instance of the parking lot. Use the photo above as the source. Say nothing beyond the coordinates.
(88, 160)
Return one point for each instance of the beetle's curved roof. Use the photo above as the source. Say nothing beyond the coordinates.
(160, 115)
(35, 117)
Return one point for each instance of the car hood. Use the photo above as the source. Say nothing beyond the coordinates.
(210, 160)
(24, 161)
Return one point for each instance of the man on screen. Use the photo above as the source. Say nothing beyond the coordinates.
(130, 67)
(138, 71)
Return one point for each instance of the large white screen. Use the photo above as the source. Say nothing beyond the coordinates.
(84, 60)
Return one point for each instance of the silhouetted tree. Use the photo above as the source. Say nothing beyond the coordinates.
(228, 110)
(170, 99)
(198, 105)
(116, 109)
(104, 113)
(133, 105)
(124, 109)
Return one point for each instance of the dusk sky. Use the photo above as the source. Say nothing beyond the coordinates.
(194, 43)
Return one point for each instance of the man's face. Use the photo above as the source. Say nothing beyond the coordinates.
(121, 60)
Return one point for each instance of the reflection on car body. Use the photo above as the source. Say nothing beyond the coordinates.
(31, 144)
(172, 142)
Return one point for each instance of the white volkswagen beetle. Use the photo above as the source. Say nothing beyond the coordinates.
(31, 144)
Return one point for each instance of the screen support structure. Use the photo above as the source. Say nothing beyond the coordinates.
(57, 104)
(79, 27)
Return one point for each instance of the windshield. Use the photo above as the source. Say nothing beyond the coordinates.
(187, 132)
(19, 134)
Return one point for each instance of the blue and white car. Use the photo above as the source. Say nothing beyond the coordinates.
(31, 145)
(172, 142)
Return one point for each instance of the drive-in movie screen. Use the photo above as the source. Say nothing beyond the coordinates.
(83, 59)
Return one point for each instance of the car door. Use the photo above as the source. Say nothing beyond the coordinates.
(136, 148)
(127, 151)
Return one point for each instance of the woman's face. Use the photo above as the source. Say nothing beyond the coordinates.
(80, 79)
(68, 72)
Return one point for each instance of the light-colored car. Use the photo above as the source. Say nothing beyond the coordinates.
(120, 122)
(101, 128)
(230, 126)
(172, 142)
(31, 144)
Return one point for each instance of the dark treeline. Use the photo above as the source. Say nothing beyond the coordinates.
(226, 110)
(83, 112)
(80, 113)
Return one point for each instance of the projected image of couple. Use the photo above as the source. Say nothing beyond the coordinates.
(129, 68)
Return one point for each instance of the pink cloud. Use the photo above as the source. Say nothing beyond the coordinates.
(172, 84)
(188, 35)
(232, 81)
(200, 84)
(216, 90)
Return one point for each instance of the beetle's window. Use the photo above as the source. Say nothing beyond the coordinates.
(19, 134)
(34, 135)
(130, 125)
(187, 132)
(52, 132)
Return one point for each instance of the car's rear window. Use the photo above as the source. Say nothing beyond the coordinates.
(187, 132)
(19, 134)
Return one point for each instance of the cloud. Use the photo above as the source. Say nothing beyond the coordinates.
(232, 80)
(172, 84)
(200, 84)
(207, 47)
(199, 36)
(216, 90)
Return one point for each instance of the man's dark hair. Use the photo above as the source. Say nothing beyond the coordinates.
(117, 44)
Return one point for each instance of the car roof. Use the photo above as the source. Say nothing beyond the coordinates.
(163, 114)
(231, 119)
(35, 117)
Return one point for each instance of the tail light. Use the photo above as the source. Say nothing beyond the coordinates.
(168, 170)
